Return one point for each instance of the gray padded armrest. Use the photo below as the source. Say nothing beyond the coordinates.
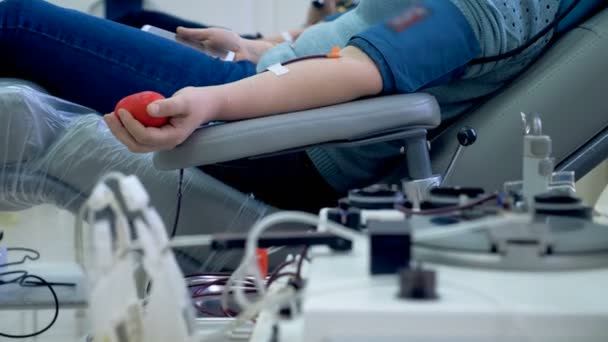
(348, 122)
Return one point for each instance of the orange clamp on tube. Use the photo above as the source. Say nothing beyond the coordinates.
(335, 52)
(262, 255)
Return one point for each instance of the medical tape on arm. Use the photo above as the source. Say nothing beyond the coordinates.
(281, 69)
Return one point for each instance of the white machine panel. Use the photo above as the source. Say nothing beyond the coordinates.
(344, 303)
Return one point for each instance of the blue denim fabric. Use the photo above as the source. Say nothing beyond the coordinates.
(96, 62)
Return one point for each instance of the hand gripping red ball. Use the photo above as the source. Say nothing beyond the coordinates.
(137, 105)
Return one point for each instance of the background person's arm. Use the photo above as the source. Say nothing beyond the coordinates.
(316, 15)
(253, 49)
(227, 40)
(309, 84)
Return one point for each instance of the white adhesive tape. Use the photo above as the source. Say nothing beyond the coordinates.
(287, 36)
(278, 69)
(230, 56)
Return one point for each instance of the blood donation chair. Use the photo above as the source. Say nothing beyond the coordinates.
(54, 152)
(566, 86)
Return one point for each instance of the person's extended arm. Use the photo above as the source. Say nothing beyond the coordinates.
(309, 84)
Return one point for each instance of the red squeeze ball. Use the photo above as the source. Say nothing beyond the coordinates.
(137, 105)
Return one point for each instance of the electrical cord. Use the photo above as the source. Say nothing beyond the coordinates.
(22, 281)
(277, 271)
(446, 210)
(532, 41)
(25, 257)
(249, 308)
(248, 261)
(303, 257)
(283, 275)
(268, 300)
(178, 209)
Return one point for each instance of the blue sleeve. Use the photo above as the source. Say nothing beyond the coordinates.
(333, 17)
(414, 51)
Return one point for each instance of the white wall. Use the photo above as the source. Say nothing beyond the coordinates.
(266, 16)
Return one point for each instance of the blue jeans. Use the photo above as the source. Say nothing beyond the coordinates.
(96, 62)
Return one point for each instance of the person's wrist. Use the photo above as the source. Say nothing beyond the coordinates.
(243, 49)
(215, 102)
(201, 104)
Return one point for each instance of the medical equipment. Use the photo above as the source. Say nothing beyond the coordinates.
(116, 309)
(301, 309)
(343, 288)
(117, 313)
(344, 303)
(346, 296)
(540, 280)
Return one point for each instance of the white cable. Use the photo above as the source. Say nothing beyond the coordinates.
(323, 218)
(274, 250)
(249, 259)
(269, 300)
(191, 241)
(248, 264)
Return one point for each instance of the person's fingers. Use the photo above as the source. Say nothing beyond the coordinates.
(195, 34)
(214, 38)
(173, 106)
(120, 132)
(155, 139)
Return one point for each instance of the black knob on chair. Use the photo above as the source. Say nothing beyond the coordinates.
(467, 136)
